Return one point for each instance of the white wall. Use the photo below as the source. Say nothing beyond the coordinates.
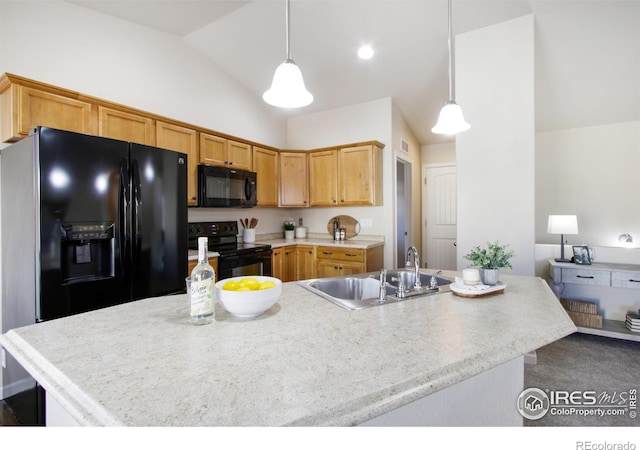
(591, 172)
(83, 50)
(439, 153)
(363, 122)
(495, 158)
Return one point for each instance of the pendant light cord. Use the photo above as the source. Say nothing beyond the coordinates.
(287, 28)
(451, 89)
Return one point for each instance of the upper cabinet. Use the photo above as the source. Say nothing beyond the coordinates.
(265, 164)
(346, 176)
(181, 139)
(323, 178)
(219, 151)
(126, 126)
(360, 175)
(294, 183)
(25, 107)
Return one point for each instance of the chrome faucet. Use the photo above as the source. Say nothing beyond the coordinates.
(382, 294)
(433, 283)
(416, 263)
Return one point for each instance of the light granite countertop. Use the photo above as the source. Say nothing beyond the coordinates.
(362, 243)
(304, 362)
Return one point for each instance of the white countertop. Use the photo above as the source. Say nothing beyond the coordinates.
(304, 362)
(348, 243)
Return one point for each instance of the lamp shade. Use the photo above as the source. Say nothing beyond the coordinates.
(451, 120)
(562, 224)
(287, 89)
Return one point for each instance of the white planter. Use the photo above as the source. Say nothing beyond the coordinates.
(289, 234)
(490, 276)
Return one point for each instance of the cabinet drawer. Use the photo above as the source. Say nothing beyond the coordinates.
(586, 276)
(341, 254)
(624, 279)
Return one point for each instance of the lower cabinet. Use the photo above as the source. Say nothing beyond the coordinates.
(303, 262)
(194, 262)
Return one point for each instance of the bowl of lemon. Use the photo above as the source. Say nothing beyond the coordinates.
(248, 296)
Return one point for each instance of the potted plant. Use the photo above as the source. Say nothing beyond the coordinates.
(490, 260)
(289, 230)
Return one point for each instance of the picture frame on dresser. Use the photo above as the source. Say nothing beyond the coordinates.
(581, 255)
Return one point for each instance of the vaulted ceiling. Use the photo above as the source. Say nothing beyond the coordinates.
(587, 52)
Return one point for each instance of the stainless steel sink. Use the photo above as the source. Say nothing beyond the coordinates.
(363, 291)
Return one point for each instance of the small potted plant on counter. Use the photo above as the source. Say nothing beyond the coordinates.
(289, 230)
(490, 260)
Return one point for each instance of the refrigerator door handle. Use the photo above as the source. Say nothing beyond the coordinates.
(135, 219)
(123, 214)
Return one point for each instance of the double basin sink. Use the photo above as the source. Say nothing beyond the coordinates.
(363, 291)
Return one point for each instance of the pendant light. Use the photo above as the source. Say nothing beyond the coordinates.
(450, 121)
(287, 89)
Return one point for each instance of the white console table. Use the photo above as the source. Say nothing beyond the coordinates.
(615, 288)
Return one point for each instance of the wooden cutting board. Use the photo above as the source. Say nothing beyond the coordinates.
(351, 226)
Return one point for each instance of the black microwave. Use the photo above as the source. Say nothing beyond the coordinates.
(222, 187)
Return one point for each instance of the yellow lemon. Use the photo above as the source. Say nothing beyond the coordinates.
(250, 283)
(231, 286)
(243, 288)
(267, 285)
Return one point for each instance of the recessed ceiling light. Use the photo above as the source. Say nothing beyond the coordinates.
(365, 52)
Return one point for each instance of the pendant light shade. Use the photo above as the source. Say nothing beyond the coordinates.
(287, 89)
(451, 120)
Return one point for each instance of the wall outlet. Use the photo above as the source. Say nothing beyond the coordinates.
(4, 359)
(366, 223)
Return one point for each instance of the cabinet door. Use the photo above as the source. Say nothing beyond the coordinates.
(31, 107)
(181, 139)
(351, 268)
(306, 260)
(289, 264)
(125, 126)
(327, 268)
(240, 155)
(265, 164)
(360, 175)
(293, 179)
(213, 150)
(323, 178)
(276, 263)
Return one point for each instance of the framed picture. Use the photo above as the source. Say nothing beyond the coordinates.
(581, 254)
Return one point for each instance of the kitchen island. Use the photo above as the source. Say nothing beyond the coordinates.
(304, 362)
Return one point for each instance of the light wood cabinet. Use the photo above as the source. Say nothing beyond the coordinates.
(294, 184)
(194, 262)
(276, 262)
(24, 108)
(283, 263)
(323, 178)
(126, 126)
(265, 164)
(219, 151)
(306, 262)
(181, 139)
(360, 175)
(336, 261)
(347, 176)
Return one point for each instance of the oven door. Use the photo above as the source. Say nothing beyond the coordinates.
(244, 265)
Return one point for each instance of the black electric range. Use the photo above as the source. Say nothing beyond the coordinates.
(236, 259)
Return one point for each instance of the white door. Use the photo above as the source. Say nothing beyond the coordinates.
(440, 217)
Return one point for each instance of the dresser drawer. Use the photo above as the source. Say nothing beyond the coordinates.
(586, 276)
(625, 279)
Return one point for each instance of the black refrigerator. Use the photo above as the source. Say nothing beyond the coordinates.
(87, 222)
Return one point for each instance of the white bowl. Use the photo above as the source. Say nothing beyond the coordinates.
(248, 303)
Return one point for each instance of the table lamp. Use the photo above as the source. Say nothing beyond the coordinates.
(562, 224)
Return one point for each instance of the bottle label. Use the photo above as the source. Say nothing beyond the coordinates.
(202, 297)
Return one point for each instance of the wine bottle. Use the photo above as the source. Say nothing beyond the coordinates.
(202, 281)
